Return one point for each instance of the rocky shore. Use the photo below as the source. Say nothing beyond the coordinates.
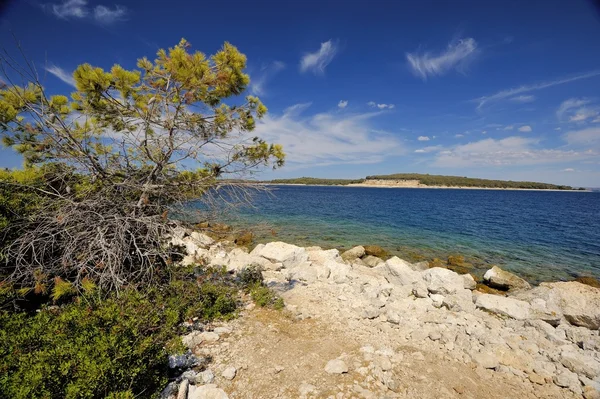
(358, 326)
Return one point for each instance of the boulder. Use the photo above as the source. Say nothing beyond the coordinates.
(209, 391)
(398, 271)
(443, 281)
(202, 240)
(281, 252)
(244, 238)
(354, 253)
(469, 282)
(375, 250)
(372, 261)
(503, 280)
(461, 300)
(308, 272)
(336, 366)
(579, 303)
(323, 256)
(486, 360)
(338, 272)
(239, 259)
(580, 363)
(420, 266)
(505, 306)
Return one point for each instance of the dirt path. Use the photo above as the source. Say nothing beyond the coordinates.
(278, 356)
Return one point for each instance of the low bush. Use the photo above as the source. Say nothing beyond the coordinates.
(115, 346)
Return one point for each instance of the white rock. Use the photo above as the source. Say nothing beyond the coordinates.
(207, 377)
(308, 272)
(338, 272)
(354, 253)
(437, 299)
(420, 290)
(461, 300)
(567, 379)
(324, 256)
(443, 281)
(202, 240)
(372, 261)
(306, 389)
(580, 363)
(336, 366)
(501, 279)
(510, 307)
(469, 281)
(486, 360)
(209, 391)
(579, 303)
(229, 373)
(281, 252)
(398, 271)
(183, 389)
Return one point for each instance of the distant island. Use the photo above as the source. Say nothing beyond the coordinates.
(417, 180)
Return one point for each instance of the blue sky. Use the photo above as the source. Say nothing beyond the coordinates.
(493, 89)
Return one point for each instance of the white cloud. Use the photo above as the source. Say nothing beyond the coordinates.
(79, 9)
(509, 127)
(510, 151)
(61, 74)
(70, 9)
(106, 15)
(570, 104)
(596, 120)
(568, 170)
(459, 135)
(429, 149)
(259, 80)
(484, 132)
(523, 99)
(509, 93)
(525, 129)
(343, 104)
(423, 138)
(327, 138)
(455, 56)
(583, 113)
(583, 137)
(380, 106)
(318, 61)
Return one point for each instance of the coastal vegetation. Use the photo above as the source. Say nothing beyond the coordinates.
(426, 180)
(92, 295)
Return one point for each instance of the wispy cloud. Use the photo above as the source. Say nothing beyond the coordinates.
(423, 138)
(459, 135)
(61, 74)
(510, 151)
(318, 60)
(523, 99)
(328, 138)
(343, 104)
(583, 137)
(570, 104)
(455, 56)
(510, 93)
(258, 81)
(426, 150)
(380, 106)
(525, 129)
(508, 127)
(106, 15)
(79, 9)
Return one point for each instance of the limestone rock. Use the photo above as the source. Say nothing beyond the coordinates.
(579, 303)
(202, 240)
(353, 253)
(420, 290)
(229, 373)
(503, 280)
(486, 360)
(281, 252)
(206, 377)
(324, 256)
(183, 389)
(461, 300)
(375, 250)
(209, 391)
(469, 282)
(398, 271)
(336, 366)
(443, 281)
(371, 260)
(505, 306)
(580, 363)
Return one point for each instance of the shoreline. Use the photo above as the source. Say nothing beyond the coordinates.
(359, 185)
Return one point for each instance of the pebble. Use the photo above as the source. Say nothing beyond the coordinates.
(229, 373)
(336, 366)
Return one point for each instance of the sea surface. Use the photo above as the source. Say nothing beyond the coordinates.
(541, 235)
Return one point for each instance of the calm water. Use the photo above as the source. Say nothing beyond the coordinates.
(540, 235)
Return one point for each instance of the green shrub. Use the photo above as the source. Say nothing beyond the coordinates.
(265, 297)
(113, 347)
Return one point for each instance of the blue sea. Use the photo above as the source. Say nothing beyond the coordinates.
(541, 235)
